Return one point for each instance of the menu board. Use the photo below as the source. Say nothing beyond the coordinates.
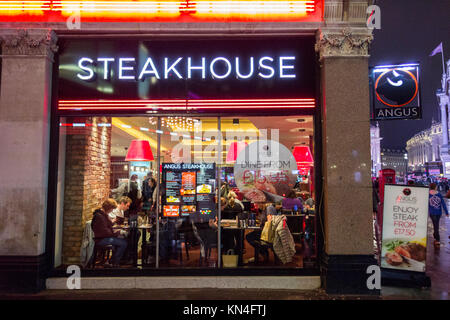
(189, 189)
(171, 211)
(404, 239)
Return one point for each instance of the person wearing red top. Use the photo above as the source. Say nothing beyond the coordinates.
(104, 234)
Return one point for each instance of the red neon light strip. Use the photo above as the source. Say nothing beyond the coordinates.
(181, 100)
(185, 104)
(157, 7)
(143, 5)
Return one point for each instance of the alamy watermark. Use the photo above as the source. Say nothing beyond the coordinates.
(374, 20)
(74, 20)
(374, 280)
(74, 279)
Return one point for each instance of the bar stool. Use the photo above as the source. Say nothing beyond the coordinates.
(106, 254)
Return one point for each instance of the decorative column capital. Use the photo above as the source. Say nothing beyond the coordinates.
(443, 99)
(28, 42)
(347, 42)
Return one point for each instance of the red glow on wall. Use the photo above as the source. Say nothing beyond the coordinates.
(151, 10)
(185, 104)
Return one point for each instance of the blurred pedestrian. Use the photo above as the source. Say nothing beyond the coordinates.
(435, 205)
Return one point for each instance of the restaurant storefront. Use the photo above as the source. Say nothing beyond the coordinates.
(213, 125)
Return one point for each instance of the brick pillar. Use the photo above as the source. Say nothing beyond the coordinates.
(88, 169)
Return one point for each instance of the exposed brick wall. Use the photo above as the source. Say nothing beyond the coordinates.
(87, 179)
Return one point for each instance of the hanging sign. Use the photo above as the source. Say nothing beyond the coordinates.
(404, 238)
(396, 92)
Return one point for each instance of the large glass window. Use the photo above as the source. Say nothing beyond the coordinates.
(190, 192)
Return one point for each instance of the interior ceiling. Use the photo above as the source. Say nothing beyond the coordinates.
(125, 129)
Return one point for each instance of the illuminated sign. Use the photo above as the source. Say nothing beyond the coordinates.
(185, 68)
(154, 10)
(192, 74)
(404, 236)
(396, 92)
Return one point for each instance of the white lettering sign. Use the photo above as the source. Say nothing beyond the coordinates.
(126, 68)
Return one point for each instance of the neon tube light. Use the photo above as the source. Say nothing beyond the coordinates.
(185, 104)
(201, 9)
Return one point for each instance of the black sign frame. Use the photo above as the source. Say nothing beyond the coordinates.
(381, 109)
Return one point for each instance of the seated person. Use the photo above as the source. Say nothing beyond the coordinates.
(104, 233)
(270, 209)
(230, 237)
(117, 215)
(232, 209)
(309, 203)
(135, 195)
(223, 204)
(278, 207)
(291, 202)
(232, 194)
(253, 238)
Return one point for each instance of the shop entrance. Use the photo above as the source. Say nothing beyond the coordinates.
(200, 142)
(201, 191)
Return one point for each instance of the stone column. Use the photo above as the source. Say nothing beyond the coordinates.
(346, 159)
(25, 99)
(444, 120)
(445, 156)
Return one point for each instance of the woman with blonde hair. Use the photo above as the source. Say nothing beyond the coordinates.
(232, 194)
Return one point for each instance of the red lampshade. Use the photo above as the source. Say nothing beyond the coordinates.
(303, 155)
(139, 150)
(234, 150)
(303, 169)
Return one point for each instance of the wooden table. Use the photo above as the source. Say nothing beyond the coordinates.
(133, 241)
(241, 235)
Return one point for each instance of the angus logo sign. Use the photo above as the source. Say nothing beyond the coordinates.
(396, 92)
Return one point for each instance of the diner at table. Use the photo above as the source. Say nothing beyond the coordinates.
(133, 238)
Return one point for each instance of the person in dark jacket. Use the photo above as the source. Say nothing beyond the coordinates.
(232, 209)
(435, 205)
(230, 238)
(253, 238)
(148, 187)
(104, 234)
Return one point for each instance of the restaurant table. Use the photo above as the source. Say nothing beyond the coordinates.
(134, 241)
(240, 240)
